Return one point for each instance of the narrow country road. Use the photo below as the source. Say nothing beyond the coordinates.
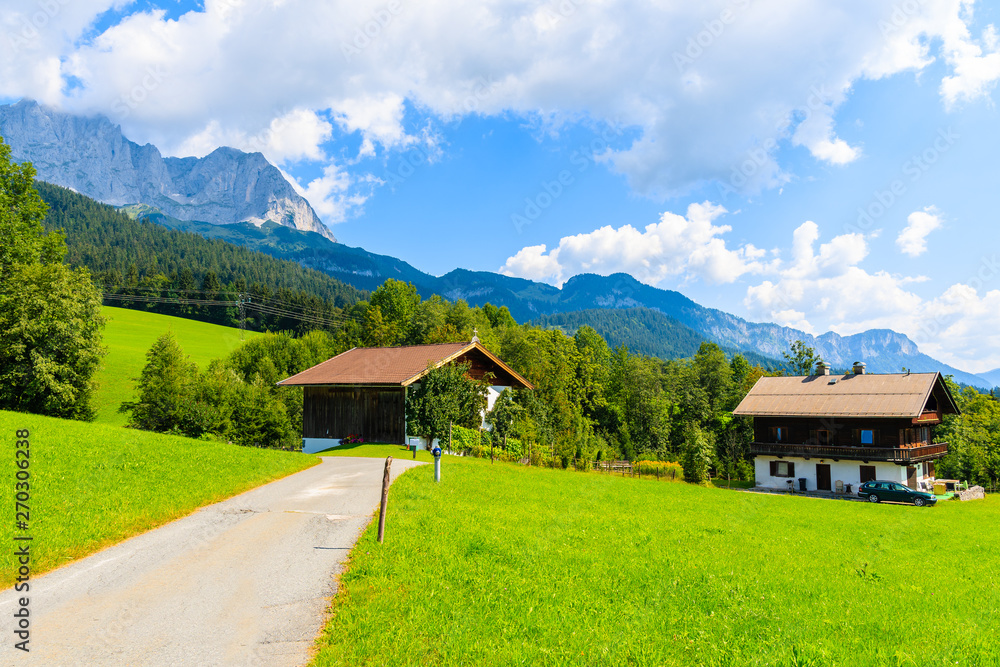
(243, 582)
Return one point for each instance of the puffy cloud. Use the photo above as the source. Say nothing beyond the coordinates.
(336, 194)
(962, 326)
(687, 246)
(912, 240)
(976, 65)
(673, 71)
(35, 35)
(296, 135)
(828, 290)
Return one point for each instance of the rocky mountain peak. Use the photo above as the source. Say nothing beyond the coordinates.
(93, 157)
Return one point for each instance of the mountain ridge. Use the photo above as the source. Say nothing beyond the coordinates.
(199, 194)
(883, 350)
(92, 156)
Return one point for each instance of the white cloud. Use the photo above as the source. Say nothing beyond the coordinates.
(686, 246)
(291, 137)
(912, 240)
(336, 194)
(976, 64)
(829, 290)
(674, 72)
(962, 326)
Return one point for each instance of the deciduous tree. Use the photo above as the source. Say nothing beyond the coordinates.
(50, 318)
(444, 396)
(801, 358)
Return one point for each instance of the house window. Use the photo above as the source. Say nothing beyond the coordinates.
(782, 469)
(821, 437)
(867, 473)
(779, 434)
(867, 437)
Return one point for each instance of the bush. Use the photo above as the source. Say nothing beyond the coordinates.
(661, 469)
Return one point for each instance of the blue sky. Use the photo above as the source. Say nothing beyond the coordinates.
(829, 166)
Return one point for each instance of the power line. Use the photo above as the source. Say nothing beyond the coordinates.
(244, 301)
(240, 295)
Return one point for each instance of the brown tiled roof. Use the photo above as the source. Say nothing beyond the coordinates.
(388, 365)
(867, 395)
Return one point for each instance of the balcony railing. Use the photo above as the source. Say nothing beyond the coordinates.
(895, 455)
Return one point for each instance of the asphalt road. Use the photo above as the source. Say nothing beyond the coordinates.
(243, 582)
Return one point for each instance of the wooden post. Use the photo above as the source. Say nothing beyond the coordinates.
(385, 497)
(449, 438)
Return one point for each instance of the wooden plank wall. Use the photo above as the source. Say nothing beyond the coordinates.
(843, 429)
(377, 414)
(480, 365)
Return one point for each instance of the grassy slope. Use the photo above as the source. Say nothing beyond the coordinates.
(501, 565)
(93, 485)
(129, 335)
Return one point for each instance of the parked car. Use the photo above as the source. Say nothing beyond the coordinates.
(881, 490)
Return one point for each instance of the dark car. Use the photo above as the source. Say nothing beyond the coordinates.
(880, 490)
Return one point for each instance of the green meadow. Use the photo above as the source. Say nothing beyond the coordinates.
(128, 336)
(502, 565)
(93, 485)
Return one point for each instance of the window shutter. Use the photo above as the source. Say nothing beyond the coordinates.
(774, 468)
(791, 469)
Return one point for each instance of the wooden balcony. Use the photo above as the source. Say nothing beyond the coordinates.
(891, 454)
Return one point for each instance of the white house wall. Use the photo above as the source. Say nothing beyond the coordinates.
(848, 472)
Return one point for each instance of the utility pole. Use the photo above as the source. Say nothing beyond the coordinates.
(243, 300)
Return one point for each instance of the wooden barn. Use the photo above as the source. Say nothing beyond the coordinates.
(362, 391)
(829, 431)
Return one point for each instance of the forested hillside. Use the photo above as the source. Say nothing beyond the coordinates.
(643, 331)
(159, 267)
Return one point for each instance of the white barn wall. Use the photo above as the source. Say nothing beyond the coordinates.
(313, 445)
(849, 472)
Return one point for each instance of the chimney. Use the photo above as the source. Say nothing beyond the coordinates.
(859, 368)
(822, 368)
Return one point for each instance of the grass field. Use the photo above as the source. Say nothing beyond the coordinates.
(93, 485)
(129, 335)
(503, 565)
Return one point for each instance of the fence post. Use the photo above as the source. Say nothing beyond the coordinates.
(385, 497)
